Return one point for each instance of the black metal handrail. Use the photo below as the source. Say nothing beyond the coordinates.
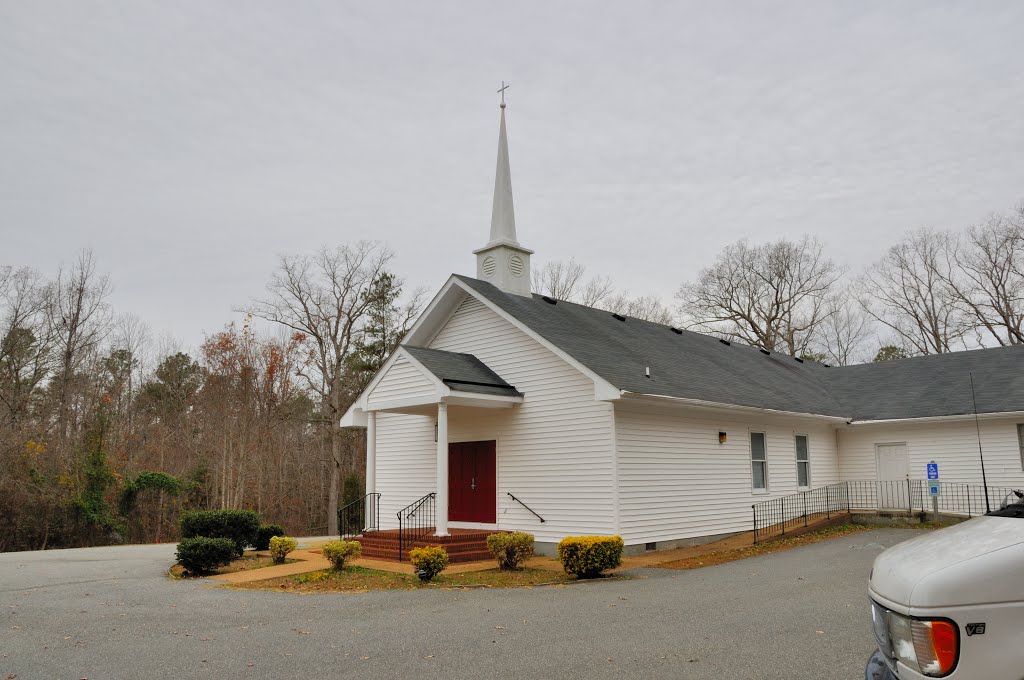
(359, 516)
(532, 511)
(415, 521)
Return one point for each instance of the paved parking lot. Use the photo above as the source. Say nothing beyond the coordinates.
(110, 613)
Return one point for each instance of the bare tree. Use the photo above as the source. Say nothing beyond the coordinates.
(648, 308)
(989, 276)
(772, 296)
(560, 280)
(24, 341)
(79, 320)
(567, 281)
(910, 292)
(327, 298)
(842, 338)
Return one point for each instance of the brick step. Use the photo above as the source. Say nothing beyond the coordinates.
(460, 549)
(460, 545)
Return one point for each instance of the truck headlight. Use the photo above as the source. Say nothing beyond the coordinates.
(929, 646)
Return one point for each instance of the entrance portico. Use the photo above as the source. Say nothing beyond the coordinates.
(425, 382)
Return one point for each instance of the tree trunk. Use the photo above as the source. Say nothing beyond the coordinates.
(332, 493)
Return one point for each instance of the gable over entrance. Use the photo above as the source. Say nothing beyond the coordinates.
(416, 379)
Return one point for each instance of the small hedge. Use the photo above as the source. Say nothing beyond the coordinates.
(337, 552)
(429, 561)
(511, 550)
(588, 556)
(265, 533)
(239, 526)
(201, 555)
(280, 546)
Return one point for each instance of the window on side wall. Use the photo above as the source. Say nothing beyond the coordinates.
(758, 461)
(803, 462)
(1020, 441)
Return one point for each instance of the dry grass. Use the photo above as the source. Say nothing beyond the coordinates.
(361, 580)
(243, 563)
(772, 546)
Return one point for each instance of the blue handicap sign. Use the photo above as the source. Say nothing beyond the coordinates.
(933, 470)
(933, 488)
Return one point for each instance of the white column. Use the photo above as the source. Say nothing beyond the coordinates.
(371, 467)
(441, 501)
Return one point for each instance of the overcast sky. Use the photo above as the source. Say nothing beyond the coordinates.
(189, 143)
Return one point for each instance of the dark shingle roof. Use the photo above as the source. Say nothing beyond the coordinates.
(696, 366)
(462, 372)
(936, 385)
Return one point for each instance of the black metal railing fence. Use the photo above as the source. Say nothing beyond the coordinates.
(415, 521)
(359, 516)
(789, 512)
(786, 513)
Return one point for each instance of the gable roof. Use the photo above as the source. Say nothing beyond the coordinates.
(689, 365)
(461, 372)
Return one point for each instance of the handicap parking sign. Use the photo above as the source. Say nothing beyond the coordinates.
(933, 488)
(933, 470)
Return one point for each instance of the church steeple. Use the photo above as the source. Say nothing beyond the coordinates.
(503, 261)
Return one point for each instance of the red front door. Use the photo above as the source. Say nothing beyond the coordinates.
(472, 482)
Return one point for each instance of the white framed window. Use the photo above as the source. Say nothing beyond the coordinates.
(803, 462)
(1020, 441)
(758, 462)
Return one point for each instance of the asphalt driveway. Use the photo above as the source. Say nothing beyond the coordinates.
(110, 613)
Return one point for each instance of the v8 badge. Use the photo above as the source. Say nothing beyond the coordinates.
(975, 629)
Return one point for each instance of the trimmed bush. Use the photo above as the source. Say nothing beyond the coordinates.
(265, 533)
(510, 550)
(200, 555)
(588, 556)
(337, 552)
(429, 561)
(280, 546)
(239, 526)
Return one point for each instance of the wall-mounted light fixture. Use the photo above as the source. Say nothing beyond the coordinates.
(722, 437)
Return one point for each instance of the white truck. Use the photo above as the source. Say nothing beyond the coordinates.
(950, 603)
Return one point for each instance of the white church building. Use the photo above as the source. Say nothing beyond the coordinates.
(514, 411)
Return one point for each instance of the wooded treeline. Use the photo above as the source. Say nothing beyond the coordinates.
(107, 434)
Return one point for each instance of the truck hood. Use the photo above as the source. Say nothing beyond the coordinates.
(976, 562)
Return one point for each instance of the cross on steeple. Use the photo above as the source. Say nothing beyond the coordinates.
(502, 93)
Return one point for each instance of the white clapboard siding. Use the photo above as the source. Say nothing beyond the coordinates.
(676, 480)
(402, 381)
(406, 462)
(953, 444)
(554, 451)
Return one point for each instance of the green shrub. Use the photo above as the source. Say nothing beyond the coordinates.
(429, 561)
(512, 549)
(265, 533)
(588, 556)
(280, 546)
(337, 552)
(239, 526)
(313, 577)
(200, 555)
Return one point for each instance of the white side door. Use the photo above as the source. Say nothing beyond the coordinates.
(893, 471)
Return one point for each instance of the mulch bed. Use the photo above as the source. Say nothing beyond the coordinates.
(772, 546)
(361, 580)
(243, 563)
